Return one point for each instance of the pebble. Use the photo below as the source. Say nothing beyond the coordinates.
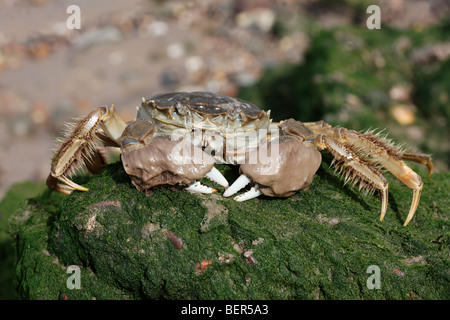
(158, 28)
(404, 114)
(193, 64)
(97, 36)
(400, 93)
(261, 19)
(116, 57)
(175, 50)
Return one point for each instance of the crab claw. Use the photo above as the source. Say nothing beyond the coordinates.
(197, 187)
(254, 192)
(216, 176)
(237, 185)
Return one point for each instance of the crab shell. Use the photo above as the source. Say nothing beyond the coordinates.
(224, 127)
(203, 110)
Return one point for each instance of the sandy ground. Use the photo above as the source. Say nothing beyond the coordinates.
(126, 50)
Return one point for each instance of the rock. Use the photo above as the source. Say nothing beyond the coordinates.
(13, 199)
(433, 52)
(172, 244)
(158, 28)
(262, 20)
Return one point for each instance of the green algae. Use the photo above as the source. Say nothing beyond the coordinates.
(317, 244)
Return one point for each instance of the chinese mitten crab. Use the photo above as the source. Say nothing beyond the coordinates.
(177, 138)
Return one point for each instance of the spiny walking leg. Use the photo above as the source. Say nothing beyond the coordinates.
(390, 157)
(382, 152)
(356, 169)
(78, 149)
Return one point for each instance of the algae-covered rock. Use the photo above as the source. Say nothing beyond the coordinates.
(8, 205)
(323, 243)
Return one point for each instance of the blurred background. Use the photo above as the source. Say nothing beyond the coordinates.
(310, 60)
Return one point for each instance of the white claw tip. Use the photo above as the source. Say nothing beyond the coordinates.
(240, 182)
(200, 188)
(252, 193)
(216, 176)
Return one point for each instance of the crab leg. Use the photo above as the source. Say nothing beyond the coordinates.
(358, 169)
(391, 159)
(378, 151)
(78, 149)
(420, 158)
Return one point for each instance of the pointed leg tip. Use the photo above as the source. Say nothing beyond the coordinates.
(384, 202)
(414, 205)
(70, 184)
(430, 169)
(382, 214)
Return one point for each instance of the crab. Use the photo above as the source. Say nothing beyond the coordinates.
(177, 138)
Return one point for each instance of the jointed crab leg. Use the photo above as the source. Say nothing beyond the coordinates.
(379, 151)
(358, 169)
(78, 149)
(390, 158)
